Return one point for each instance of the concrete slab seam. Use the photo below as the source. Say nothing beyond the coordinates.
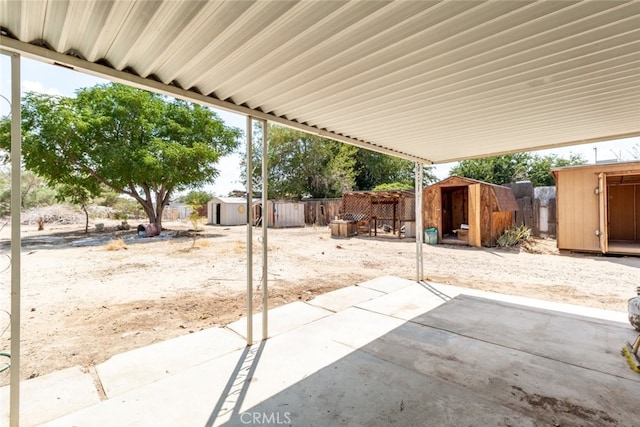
(97, 382)
(518, 349)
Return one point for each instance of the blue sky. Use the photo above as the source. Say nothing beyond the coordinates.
(55, 80)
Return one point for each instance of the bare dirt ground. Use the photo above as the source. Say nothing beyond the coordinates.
(88, 297)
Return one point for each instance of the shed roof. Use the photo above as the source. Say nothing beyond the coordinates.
(635, 164)
(231, 200)
(424, 80)
(630, 167)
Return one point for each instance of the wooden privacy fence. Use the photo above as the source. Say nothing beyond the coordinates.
(322, 211)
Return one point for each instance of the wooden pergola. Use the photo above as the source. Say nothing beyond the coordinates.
(372, 208)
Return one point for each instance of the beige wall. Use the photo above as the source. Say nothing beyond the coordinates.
(577, 209)
(577, 204)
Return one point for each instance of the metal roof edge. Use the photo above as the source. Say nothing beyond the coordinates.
(598, 165)
(11, 46)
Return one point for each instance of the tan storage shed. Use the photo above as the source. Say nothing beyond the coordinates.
(467, 211)
(598, 208)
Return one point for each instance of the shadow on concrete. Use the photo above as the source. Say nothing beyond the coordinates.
(235, 391)
(471, 361)
(428, 286)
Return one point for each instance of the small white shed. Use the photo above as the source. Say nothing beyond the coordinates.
(227, 211)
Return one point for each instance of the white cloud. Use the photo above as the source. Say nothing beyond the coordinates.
(29, 86)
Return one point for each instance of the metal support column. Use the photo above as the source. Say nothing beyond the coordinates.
(16, 243)
(250, 230)
(265, 223)
(419, 223)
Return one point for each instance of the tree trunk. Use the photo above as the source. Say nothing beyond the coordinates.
(162, 197)
(155, 216)
(86, 215)
(158, 221)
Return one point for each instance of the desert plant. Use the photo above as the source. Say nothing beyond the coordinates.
(513, 236)
(195, 219)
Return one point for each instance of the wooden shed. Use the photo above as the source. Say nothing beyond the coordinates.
(598, 208)
(467, 211)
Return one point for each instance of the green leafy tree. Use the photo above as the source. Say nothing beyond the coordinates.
(196, 198)
(108, 197)
(374, 169)
(34, 191)
(391, 186)
(514, 167)
(303, 165)
(78, 194)
(539, 172)
(497, 169)
(135, 142)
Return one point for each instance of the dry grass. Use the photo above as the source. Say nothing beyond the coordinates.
(239, 247)
(202, 243)
(115, 245)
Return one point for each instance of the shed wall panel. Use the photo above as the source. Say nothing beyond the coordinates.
(501, 221)
(486, 215)
(637, 208)
(577, 210)
(211, 211)
(285, 214)
(621, 212)
(475, 212)
(233, 214)
(431, 208)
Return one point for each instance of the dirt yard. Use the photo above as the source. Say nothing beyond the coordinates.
(88, 297)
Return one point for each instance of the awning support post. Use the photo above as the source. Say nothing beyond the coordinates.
(16, 242)
(250, 230)
(419, 223)
(265, 223)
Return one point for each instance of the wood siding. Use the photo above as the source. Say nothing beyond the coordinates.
(577, 206)
(621, 212)
(322, 211)
(455, 201)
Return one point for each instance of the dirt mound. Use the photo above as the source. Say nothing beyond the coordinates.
(54, 214)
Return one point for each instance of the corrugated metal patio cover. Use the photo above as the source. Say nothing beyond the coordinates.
(435, 81)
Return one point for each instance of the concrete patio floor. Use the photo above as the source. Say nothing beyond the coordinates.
(385, 352)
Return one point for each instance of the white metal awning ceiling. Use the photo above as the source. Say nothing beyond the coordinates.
(429, 81)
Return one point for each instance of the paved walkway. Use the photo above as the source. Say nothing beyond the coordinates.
(388, 351)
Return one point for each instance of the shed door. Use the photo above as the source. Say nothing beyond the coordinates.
(602, 213)
(475, 237)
